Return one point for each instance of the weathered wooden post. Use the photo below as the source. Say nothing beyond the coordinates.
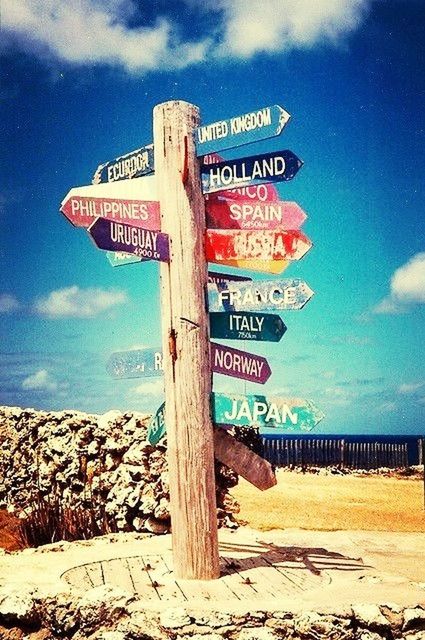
(185, 340)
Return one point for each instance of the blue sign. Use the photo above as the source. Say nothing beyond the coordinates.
(239, 130)
(133, 165)
(156, 426)
(137, 363)
(117, 258)
(246, 326)
(262, 295)
(268, 167)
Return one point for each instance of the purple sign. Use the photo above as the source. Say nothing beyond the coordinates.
(239, 364)
(116, 236)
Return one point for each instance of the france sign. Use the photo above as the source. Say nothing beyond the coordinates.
(262, 295)
(239, 130)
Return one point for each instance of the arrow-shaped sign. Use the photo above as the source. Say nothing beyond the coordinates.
(221, 279)
(227, 450)
(239, 130)
(144, 243)
(236, 244)
(268, 167)
(262, 295)
(253, 214)
(134, 164)
(81, 210)
(137, 363)
(246, 326)
(271, 415)
(239, 364)
(118, 258)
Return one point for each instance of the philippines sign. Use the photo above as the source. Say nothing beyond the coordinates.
(246, 326)
(239, 130)
(239, 364)
(115, 236)
(81, 210)
(271, 415)
(269, 167)
(263, 295)
(134, 164)
(237, 244)
(253, 214)
(136, 363)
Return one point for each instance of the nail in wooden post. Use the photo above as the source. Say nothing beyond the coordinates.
(185, 340)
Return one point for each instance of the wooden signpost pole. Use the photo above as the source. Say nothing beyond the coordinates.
(185, 339)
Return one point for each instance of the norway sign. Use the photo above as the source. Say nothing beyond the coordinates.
(238, 244)
(271, 415)
(269, 167)
(239, 130)
(263, 295)
(135, 363)
(81, 210)
(135, 164)
(239, 364)
(115, 236)
(253, 214)
(246, 326)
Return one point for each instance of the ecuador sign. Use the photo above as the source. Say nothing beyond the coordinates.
(133, 165)
(239, 130)
(263, 295)
(271, 415)
(114, 236)
(246, 326)
(236, 244)
(269, 167)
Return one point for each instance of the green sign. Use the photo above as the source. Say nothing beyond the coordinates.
(156, 427)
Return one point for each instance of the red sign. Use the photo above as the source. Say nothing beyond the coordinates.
(253, 245)
(254, 214)
(239, 364)
(81, 211)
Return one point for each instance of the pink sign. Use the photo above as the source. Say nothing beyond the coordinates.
(81, 211)
(253, 214)
(253, 245)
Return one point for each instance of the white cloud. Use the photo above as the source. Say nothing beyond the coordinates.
(412, 387)
(40, 380)
(253, 26)
(386, 407)
(407, 287)
(73, 302)
(150, 387)
(93, 32)
(8, 303)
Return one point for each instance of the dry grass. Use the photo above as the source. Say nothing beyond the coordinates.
(328, 503)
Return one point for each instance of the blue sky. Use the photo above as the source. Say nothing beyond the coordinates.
(79, 82)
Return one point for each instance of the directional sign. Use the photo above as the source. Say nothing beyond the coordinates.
(261, 192)
(227, 450)
(246, 326)
(236, 244)
(271, 415)
(250, 127)
(239, 364)
(115, 236)
(268, 167)
(137, 363)
(118, 258)
(82, 210)
(221, 279)
(262, 295)
(135, 164)
(253, 214)
(267, 266)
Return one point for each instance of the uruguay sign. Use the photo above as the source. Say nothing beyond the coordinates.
(239, 130)
(246, 326)
(115, 236)
(132, 165)
(268, 167)
(271, 415)
(263, 295)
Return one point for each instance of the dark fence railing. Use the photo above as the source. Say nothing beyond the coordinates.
(339, 452)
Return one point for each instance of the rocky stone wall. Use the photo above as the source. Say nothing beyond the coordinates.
(103, 464)
(106, 613)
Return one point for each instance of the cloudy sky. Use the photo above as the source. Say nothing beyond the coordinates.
(79, 81)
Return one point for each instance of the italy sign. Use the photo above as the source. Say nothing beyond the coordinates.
(246, 326)
(134, 164)
(115, 236)
(262, 295)
(239, 130)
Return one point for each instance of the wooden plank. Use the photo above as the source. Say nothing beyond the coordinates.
(140, 579)
(95, 573)
(162, 579)
(116, 572)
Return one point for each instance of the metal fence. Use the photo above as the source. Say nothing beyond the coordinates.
(286, 452)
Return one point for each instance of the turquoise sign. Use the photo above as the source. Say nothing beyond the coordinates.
(246, 326)
(271, 415)
(156, 427)
(117, 258)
